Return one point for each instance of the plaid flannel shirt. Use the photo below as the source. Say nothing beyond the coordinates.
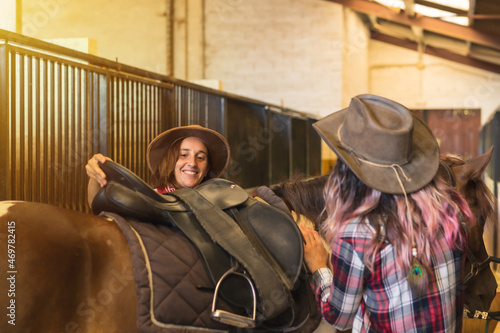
(382, 301)
(166, 189)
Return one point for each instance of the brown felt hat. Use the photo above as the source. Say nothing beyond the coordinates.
(383, 143)
(217, 146)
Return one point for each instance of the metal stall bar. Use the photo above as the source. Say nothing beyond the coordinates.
(279, 138)
(132, 100)
(60, 106)
(5, 126)
(46, 155)
(313, 150)
(44, 83)
(19, 129)
(496, 166)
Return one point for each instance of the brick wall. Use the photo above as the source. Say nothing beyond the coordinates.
(282, 51)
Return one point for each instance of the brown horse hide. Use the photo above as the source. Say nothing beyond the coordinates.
(67, 279)
(73, 272)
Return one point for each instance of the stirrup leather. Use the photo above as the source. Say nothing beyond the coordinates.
(233, 319)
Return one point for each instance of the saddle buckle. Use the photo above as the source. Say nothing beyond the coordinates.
(230, 318)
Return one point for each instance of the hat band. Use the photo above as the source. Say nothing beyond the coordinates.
(394, 167)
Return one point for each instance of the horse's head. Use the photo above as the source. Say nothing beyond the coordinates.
(481, 288)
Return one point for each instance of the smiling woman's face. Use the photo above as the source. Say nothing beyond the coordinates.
(192, 163)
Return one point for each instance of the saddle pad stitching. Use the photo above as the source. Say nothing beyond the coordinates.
(150, 279)
(190, 268)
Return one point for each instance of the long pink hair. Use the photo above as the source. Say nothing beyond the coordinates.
(436, 206)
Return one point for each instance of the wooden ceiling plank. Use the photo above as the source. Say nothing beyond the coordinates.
(437, 52)
(427, 23)
(453, 10)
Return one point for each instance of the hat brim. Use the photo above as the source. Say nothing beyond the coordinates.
(416, 173)
(217, 146)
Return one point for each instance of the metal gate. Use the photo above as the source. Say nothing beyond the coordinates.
(58, 107)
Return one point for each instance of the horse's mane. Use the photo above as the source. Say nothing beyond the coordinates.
(477, 194)
(304, 196)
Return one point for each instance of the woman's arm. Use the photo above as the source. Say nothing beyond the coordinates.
(315, 254)
(338, 293)
(97, 177)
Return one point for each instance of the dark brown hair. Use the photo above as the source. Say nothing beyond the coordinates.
(164, 174)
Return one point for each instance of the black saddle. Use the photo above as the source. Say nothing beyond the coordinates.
(252, 252)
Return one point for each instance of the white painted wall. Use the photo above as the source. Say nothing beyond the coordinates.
(355, 57)
(134, 32)
(8, 15)
(441, 83)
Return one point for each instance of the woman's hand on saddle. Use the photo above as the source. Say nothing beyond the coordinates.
(315, 254)
(94, 171)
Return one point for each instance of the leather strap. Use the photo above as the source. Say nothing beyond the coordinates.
(215, 258)
(224, 231)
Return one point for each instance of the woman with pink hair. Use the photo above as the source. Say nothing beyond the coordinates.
(395, 230)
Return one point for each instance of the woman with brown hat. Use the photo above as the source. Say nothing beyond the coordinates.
(394, 229)
(180, 157)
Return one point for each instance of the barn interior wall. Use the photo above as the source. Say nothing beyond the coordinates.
(286, 52)
(308, 55)
(8, 17)
(311, 56)
(355, 57)
(128, 31)
(427, 82)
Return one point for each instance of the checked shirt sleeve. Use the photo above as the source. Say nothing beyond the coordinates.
(339, 293)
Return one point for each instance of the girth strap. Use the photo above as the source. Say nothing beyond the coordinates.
(224, 231)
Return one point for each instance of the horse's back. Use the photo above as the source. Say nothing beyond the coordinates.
(65, 268)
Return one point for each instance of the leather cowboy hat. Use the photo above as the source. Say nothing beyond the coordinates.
(217, 145)
(387, 146)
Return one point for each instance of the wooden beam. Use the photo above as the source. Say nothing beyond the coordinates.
(427, 23)
(438, 52)
(409, 8)
(456, 11)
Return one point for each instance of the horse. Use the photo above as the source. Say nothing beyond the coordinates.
(68, 271)
(306, 199)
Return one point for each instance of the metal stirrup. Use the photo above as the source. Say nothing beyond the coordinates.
(233, 319)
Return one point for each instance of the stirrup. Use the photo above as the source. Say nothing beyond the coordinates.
(233, 319)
